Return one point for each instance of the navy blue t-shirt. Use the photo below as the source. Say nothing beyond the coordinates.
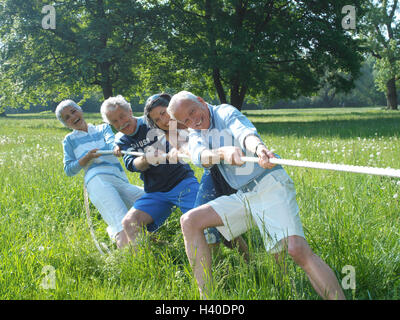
(161, 178)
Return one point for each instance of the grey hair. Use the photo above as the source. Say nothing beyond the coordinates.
(62, 105)
(111, 104)
(182, 95)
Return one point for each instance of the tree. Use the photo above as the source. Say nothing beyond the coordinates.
(364, 93)
(95, 45)
(279, 48)
(381, 30)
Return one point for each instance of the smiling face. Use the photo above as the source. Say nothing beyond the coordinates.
(73, 118)
(160, 117)
(122, 120)
(194, 115)
(162, 120)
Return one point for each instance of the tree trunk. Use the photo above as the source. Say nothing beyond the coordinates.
(218, 85)
(237, 95)
(106, 83)
(391, 94)
(107, 90)
(211, 37)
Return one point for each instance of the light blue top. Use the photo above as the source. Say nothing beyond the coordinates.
(77, 143)
(228, 127)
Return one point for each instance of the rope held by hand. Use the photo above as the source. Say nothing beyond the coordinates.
(388, 172)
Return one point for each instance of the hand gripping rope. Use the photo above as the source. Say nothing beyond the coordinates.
(389, 172)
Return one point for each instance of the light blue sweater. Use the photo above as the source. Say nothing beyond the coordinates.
(78, 143)
(228, 127)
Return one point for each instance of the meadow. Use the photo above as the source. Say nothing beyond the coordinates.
(349, 219)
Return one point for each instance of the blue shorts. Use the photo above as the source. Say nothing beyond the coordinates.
(207, 193)
(159, 204)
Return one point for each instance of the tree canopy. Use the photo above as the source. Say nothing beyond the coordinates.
(231, 49)
(95, 44)
(380, 28)
(243, 47)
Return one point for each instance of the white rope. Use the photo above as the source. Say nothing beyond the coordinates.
(139, 154)
(89, 222)
(389, 172)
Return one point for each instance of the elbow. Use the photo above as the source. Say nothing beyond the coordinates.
(69, 172)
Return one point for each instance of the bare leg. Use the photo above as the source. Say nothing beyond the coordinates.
(281, 262)
(320, 274)
(133, 223)
(121, 239)
(198, 252)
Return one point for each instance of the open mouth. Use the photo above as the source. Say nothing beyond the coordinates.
(198, 124)
(77, 120)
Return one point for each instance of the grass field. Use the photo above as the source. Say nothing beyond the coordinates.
(349, 219)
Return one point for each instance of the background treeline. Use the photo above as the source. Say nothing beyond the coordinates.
(249, 53)
(364, 94)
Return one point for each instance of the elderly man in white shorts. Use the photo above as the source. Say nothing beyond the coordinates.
(266, 195)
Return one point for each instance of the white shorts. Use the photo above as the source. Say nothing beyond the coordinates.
(113, 197)
(271, 205)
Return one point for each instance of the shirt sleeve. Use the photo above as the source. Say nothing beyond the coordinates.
(128, 159)
(238, 124)
(71, 164)
(196, 146)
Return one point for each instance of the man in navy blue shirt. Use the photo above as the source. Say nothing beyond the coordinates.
(166, 184)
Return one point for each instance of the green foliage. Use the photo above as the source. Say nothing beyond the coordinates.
(95, 45)
(388, 66)
(228, 49)
(275, 48)
(364, 93)
(380, 30)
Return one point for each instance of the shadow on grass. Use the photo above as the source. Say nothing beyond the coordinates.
(321, 113)
(363, 128)
(366, 125)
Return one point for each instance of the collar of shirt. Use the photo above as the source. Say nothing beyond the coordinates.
(139, 122)
(91, 128)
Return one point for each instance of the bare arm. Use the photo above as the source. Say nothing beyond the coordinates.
(255, 145)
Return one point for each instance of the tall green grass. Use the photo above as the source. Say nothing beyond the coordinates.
(349, 219)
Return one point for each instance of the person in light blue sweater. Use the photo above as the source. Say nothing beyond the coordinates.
(105, 180)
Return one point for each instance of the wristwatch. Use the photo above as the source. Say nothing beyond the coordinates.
(260, 144)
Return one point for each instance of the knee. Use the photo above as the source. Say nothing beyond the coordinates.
(188, 223)
(130, 220)
(299, 250)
